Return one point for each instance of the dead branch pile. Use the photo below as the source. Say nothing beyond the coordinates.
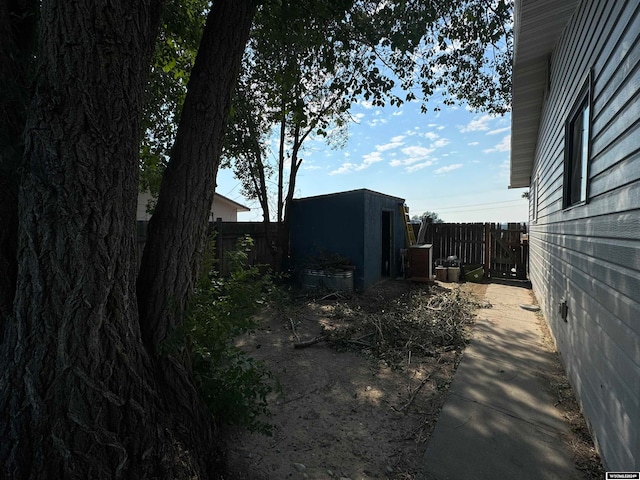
(417, 323)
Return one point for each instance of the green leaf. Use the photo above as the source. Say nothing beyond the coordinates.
(169, 66)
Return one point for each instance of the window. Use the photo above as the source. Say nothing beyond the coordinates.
(533, 198)
(577, 133)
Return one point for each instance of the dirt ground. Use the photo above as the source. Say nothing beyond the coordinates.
(349, 412)
(344, 413)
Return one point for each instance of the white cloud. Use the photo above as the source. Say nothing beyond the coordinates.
(377, 121)
(418, 152)
(448, 168)
(419, 166)
(431, 135)
(397, 113)
(344, 168)
(436, 140)
(477, 124)
(394, 143)
(503, 146)
(411, 157)
(499, 130)
(441, 142)
(358, 116)
(388, 146)
(473, 144)
(370, 158)
(414, 154)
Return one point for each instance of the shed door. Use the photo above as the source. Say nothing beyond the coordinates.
(387, 244)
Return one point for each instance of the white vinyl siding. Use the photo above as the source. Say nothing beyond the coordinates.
(590, 255)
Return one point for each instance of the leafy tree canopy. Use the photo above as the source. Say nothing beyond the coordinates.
(175, 53)
(435, 218)
(310, 60)
(307, 62)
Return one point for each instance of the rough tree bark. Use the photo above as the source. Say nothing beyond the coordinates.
(17, 41)
(78, 391)
(177, 229)
(82, 392)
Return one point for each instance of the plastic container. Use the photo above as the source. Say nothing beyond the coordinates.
(453, 274)
(441, 274)
(474, 275)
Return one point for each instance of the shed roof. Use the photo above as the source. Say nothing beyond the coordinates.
(349, 192)
(538, 25)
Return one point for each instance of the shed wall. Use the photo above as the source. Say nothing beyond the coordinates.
(349, 224)
(329, 224)
(589, 255)
(374, 206)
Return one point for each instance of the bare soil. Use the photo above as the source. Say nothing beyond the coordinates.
(345, 410)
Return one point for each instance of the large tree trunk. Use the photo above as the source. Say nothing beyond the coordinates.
(17, 39)
(82, 393)
(78, 395)
(177, 229)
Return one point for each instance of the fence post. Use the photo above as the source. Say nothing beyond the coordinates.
(487, 250)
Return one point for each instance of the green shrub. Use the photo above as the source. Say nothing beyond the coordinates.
(234, 385)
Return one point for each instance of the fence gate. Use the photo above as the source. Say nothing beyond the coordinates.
(508, 250)
(502, 249)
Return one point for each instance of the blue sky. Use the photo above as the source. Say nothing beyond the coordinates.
(453, 162)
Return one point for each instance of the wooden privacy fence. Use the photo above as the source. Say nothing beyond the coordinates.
(227, 235)
(502, 249)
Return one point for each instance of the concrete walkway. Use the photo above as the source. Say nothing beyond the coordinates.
(498, 421)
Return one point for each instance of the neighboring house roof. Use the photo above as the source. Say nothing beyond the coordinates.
(222, 199)
(221, 207)
(538, 25)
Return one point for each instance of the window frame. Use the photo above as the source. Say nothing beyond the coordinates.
(583, 102)
(534, 199)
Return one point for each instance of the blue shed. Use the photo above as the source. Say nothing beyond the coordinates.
(363, 225)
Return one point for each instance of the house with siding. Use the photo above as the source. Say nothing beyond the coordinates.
(575, 144)
(222, 208)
